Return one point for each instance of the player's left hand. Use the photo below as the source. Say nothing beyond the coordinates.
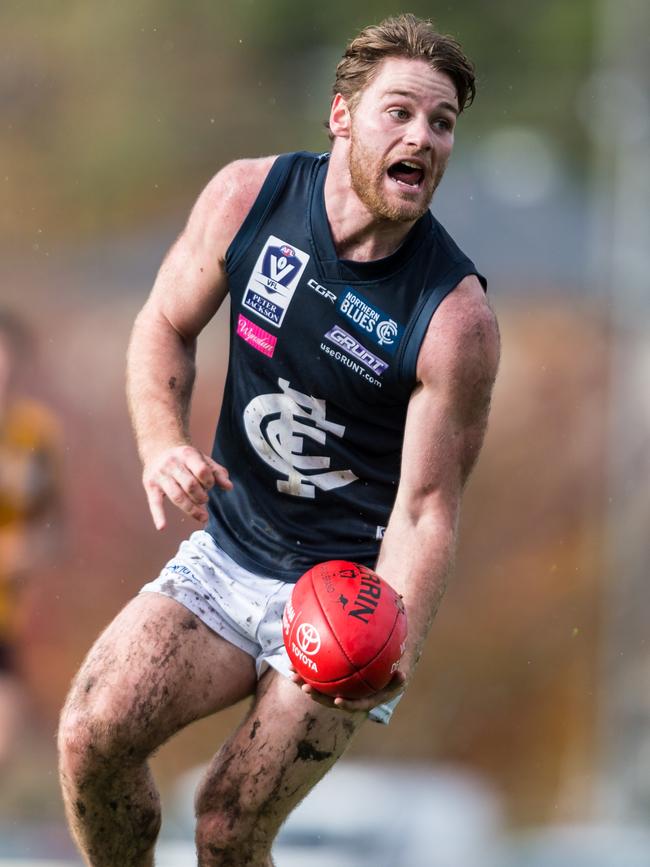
(353, 705)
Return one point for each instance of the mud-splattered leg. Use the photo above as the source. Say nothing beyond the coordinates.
(155, 669)
(286, 744)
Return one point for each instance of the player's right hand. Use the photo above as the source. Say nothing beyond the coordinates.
(184, 475)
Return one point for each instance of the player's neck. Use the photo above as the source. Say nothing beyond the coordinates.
(357, 233)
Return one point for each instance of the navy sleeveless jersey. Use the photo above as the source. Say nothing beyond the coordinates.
(322, 363)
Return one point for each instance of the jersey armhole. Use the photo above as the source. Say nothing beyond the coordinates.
(417, 327)
(271, 188)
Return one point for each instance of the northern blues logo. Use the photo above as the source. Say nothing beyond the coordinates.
(274, 279)
(371, 321)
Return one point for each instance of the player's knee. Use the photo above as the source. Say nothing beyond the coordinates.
(80, 745)
(229, 831)
(93, 736)
(228, 837)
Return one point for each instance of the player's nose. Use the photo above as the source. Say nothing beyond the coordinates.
(418, 134)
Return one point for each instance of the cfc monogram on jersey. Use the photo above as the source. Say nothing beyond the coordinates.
(277, 426)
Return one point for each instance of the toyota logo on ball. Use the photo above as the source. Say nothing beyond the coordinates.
(308, 639)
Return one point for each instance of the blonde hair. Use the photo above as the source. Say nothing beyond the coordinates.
(403, 36)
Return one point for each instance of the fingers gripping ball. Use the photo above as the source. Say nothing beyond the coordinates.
(344, 629)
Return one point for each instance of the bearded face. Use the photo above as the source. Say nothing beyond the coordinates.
(410, 187)
(401, 134)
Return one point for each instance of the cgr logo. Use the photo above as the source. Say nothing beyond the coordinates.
(274, 279)
(326, 293)
(277, 426)
(308, 639)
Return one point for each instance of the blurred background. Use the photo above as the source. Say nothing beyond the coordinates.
(532, 696)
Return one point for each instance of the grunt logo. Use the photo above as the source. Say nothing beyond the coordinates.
(340, 337)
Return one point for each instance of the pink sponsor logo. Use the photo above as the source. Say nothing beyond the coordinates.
(257, 337)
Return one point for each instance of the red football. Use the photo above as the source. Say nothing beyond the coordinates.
(344, 629)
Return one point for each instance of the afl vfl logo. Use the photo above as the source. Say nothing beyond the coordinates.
(274, 279)
(308, 639)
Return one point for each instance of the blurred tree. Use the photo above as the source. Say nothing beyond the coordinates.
(115, 114)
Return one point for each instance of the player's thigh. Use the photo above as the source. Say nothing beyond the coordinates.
(156, 668)
(282, 749)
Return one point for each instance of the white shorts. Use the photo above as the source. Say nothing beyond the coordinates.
(244, 608)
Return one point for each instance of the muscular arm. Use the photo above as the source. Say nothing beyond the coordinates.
(445, 426)
(446, 423)
(188, 290)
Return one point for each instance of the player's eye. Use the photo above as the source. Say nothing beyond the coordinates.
(443, 124)
(399, 113)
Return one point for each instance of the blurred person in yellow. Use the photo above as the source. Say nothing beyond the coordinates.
(362, 358)
(30, 485)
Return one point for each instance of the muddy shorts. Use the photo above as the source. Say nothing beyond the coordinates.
(244, 608)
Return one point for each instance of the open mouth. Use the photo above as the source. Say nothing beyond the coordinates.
(407, 174)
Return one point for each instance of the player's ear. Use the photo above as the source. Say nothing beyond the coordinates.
(340, 118)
